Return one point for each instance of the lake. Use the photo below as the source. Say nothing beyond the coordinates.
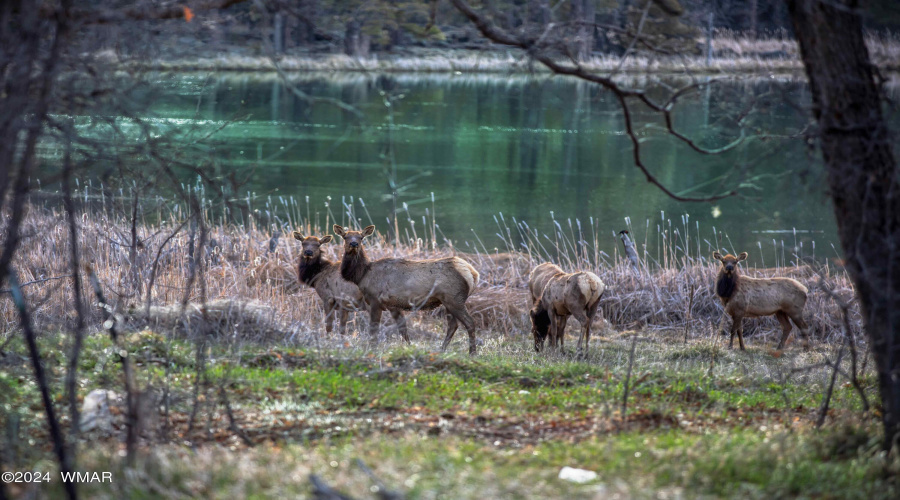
(549, 151)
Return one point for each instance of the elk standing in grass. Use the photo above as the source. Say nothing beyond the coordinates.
(398, 285)
(338, 295)
(745, 297)
(561, 296)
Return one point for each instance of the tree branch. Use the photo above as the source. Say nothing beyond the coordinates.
(537, 48)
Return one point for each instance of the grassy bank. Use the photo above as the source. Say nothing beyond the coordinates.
(249, 397)
(731, 55)
(699, 420)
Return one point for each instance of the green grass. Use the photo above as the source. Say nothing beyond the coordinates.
(700, 420)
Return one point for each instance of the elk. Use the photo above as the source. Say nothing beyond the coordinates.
(398, 285)
(539, 277)
(745, 297)
(338, 295)
(563, 295)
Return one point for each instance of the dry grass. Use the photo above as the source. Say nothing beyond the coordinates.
(732, 53)
(249, 282)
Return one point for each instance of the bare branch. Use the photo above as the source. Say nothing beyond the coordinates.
(537, 48)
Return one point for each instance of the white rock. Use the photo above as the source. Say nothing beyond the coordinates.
(574, 475)
(524, 392)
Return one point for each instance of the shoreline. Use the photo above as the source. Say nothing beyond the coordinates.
(731, 56)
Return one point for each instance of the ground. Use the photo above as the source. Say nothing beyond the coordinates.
(700, 419)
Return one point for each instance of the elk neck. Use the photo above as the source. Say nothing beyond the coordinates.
(726, 284)
(355, 266)
(311, 269)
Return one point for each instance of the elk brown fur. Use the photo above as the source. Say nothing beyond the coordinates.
(745, 297)
(338, 295)
(398, 285)
(563, 295)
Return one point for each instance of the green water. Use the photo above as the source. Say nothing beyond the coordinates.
(536, 149)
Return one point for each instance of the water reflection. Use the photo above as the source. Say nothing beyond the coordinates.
(523, 146)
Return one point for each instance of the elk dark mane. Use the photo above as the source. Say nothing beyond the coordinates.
(355, 266)
(310, 270)
(725, 284)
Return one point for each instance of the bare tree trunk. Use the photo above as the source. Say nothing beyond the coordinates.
(753, 17)
(78, 302)
(862, 174)
(356, 43)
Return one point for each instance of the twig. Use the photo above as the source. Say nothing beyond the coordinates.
(383, 492)
(823, 411)
(9, 290)
(232, 423)
(849, 339)
(109, 321)
(59, 444)
(321, 490)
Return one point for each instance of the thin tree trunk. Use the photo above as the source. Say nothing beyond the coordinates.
(862, 174)
(56, 434)
(78, 302)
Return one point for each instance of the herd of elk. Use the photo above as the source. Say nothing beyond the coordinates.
(398, 285)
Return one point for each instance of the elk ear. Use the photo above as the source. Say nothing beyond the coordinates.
(368, 231)
(338, 230)
(325, 239)
(717, 256)
(298, 236)
(742, 256)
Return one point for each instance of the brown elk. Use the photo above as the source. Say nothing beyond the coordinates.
(745, 297)
(398, 285)
(563, 295)
(339, 296)
(539, 277)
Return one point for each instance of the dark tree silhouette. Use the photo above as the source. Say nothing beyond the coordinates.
(862, 173)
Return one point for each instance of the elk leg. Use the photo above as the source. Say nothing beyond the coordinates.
(585, 330)
(463, 316)
(734, 326)
(329, 316)
(785, 328)
(452, 326)
(554, 322)
(401, 324)
(740, 332)
(344, 315)
(374, 322)
(561, 331)
(804, 329)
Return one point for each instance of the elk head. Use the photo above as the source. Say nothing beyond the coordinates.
(311, 245)
(729, 262)
(353, 240)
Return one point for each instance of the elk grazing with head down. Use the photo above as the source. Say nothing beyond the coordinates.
(338, 295)
(397, 285)
(745, 297)
(562, 295)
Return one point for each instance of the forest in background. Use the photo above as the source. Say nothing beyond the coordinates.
(363, 28)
